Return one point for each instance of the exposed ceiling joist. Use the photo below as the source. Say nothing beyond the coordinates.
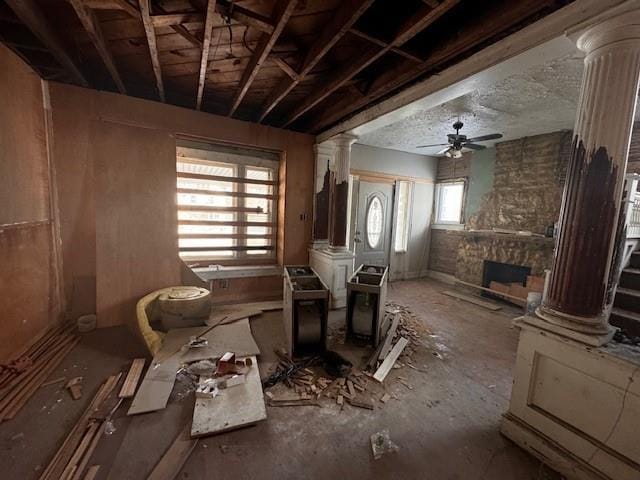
(210, 18)
(169, 19)
(285, 67)
(344, 19)
(31, 15)
(153, 48)
(393, 79)
(382, 44)
(245, 17)
(92, 26)
(282, 13)
(412, 26)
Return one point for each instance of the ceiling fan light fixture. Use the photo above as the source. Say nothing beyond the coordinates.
(453, 153)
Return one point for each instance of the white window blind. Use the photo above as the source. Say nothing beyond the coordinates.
(227, 207)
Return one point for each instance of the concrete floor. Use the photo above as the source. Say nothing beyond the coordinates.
(446, 427)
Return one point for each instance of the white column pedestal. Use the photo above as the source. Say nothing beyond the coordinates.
(576, 407)
(335, 268)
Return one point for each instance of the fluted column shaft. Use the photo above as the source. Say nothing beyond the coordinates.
(577, 292)
(340, 192)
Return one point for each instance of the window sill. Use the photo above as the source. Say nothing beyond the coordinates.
(448, 226)
(221, 272)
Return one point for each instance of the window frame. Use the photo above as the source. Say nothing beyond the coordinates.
(438, 200)
(242, 159)
(402, 231)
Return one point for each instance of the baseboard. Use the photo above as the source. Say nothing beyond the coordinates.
(547, 451)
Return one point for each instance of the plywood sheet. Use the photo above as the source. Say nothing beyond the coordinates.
(136, 221)
(158, 382)
(232, 408)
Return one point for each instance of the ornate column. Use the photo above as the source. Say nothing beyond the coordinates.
(578, 292)
(340, 192)
(321, 204)
(335, 263)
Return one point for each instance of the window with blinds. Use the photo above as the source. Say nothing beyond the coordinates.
(227, 205)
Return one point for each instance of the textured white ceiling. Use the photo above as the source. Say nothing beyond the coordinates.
(538, 100)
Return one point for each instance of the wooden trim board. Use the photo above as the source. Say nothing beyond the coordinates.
(131, 381)
(388, 339)
(474, 300)
(175, 457)
(232, 408)
(387, 365)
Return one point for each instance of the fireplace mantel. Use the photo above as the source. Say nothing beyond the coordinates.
(508, 237)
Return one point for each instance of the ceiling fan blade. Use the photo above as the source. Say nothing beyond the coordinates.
(473, 146)
(482, 138)
(434, 145)
(443, 151)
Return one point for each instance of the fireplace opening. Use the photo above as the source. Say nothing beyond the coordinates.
(505, 273)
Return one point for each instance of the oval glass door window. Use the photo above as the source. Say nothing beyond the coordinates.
(374, 222)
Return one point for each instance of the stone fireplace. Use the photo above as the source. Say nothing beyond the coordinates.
(474, 248)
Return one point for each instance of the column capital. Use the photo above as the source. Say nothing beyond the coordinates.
(621, 28)
(326, 148)
(344, 140)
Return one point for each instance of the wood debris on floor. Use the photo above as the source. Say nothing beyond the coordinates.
(24, 375)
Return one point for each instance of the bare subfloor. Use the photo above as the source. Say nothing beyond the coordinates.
(446, 426)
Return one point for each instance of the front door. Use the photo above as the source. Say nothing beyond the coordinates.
(373, 223)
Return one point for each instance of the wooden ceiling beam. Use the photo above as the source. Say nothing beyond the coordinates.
(153, 48)
(380, 43)
(245, 16)
(210, 18)
(169, 19)
(414, 25)
(342, 21)
(285, 67)
(282, 13)
(92, 26)
(395, 78)
(31, 15)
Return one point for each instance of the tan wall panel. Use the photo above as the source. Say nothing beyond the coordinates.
(74, 108)
(24, 191)
(136, 224)
(27, 282)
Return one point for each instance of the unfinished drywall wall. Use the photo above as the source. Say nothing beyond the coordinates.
(76, 112)
(27, 268)
(420, 170)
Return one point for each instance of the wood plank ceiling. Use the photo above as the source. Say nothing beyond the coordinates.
(300, 64)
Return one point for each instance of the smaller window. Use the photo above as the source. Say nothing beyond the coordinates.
(402, 218)
(449, 197)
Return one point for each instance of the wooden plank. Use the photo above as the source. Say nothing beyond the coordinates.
(282, 13)
(387, 365)
(175, 457)
(210, 19)
(31, 15)
(131, 381)
(153, 47)
(92, 26)
(168, 19)
(475, 300)
(232, 408)
(413, 26)
(92, 472)
(388, 340)
(341, 22)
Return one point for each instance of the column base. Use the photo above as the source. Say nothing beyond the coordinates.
(335, 268)
(574, 406)
(595, 331)
(319, 244)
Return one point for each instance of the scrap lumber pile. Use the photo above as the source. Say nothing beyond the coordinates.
(516, 292)
(22, 377)
(71, 459)
(310, 383)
